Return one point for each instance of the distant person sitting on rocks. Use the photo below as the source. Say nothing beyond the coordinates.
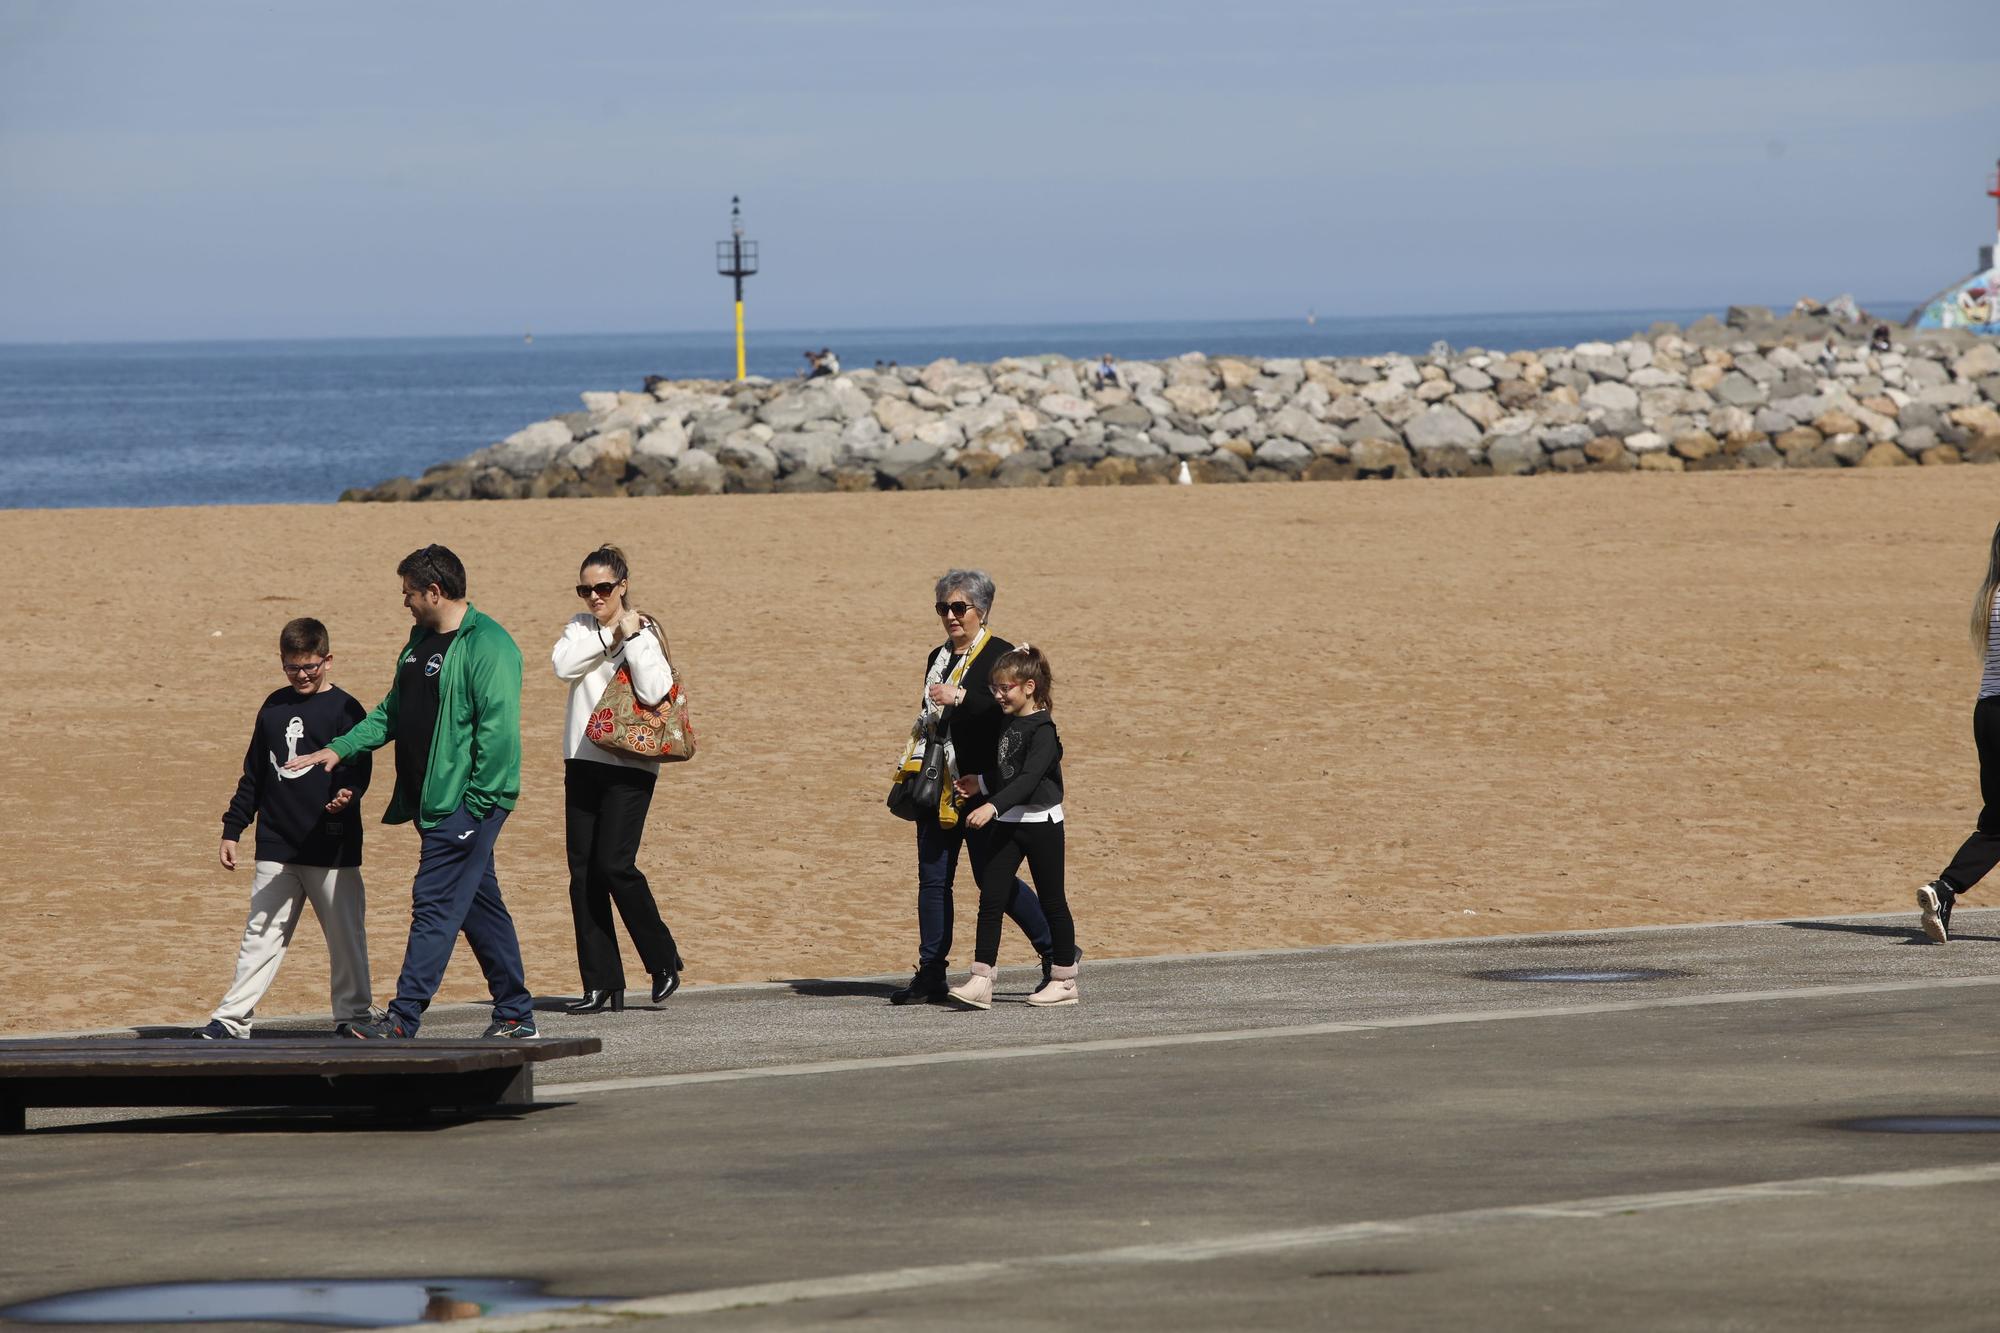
(812, 370)
(826, 363)
(1806, 305)
(1107, 373)
(1878, 341)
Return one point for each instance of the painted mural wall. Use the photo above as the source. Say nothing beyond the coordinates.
(1973, 304)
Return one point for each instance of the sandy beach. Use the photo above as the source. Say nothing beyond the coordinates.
(1294, 715)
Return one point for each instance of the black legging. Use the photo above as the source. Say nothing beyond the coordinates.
(1006, 845)
(604, 809)
(1981, 852)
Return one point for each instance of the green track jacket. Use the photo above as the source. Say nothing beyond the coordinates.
(476, 749)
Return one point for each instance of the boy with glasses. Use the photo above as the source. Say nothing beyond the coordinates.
(308, 837)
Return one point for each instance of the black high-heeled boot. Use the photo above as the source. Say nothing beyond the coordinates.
(595, 1001)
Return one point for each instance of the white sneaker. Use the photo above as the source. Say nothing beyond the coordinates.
(976, 992)
(1934, 900)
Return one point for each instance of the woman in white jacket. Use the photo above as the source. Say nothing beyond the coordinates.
(606, 793)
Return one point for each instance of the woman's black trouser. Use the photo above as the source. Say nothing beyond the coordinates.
(1981, 852)
(604, 809)
(1006, 846)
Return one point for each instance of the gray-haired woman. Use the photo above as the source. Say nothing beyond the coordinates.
(957, 698)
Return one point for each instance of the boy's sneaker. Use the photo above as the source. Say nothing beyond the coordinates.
(512, 1029)
(216, 1030)
(1934, 900)
(388, 1028)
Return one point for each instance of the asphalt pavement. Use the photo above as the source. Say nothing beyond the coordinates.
(1694, 1127)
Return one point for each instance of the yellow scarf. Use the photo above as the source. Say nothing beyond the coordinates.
(913, 749)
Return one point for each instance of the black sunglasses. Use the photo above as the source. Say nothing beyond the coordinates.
(601, 589)
(955, 608)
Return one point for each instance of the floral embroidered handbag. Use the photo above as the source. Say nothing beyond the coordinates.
(623, 725)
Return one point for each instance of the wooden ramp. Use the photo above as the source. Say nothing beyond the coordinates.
(395, 1077)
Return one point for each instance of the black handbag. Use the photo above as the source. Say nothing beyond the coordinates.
(918, 792)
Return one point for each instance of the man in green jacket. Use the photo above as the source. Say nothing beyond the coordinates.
(454, 713)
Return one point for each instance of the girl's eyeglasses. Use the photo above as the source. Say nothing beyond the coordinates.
(601, 589)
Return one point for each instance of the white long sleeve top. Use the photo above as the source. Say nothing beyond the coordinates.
(580, 659)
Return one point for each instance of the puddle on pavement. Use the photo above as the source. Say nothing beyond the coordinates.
(1925, 1124)
(1599, 975)
(345, 1302)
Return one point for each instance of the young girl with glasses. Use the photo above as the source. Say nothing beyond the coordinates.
(1021, 819)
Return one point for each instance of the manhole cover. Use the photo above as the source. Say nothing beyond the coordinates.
(1599, 975)
(344, 1302)
(1925, 1124)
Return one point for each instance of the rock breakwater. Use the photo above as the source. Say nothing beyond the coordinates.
(1753, 391)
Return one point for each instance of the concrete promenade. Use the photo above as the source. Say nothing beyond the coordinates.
(1377, 1137)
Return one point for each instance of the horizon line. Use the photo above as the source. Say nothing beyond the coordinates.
(1291, 319)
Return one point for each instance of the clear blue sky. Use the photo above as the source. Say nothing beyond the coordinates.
(247, 169)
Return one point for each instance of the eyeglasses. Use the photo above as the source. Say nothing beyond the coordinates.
(305, 668)
(1003, 686)
(954, 608)
(601, 589)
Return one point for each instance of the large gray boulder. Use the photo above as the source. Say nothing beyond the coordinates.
(1515, 455)
(1981, 361)
(900, 419)
(1285, 455)
(1611, 396)
(1298, 424)
(698, 472)
(666, 442)
(528, 450)
(1132, 446)
(709, 429)
(1130, 415)
(1441, 424)
(1770, 421)
(1066, 407)
(1603, 366)
(910, 456)
(1571, 436)
(743, 449)
(809, 451)
(1739, 390)
(1180, 444)
(795, 407)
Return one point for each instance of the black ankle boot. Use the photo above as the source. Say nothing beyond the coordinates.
(595, 1001)
(928, 986)
(665, 984)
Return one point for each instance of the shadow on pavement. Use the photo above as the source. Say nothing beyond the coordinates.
(1907, 934)
(822, 989)
(301, 1120)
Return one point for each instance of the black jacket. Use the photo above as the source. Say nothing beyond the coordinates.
(1029, 766)
(975, 724)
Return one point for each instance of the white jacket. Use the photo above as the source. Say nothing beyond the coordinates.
(580, 659)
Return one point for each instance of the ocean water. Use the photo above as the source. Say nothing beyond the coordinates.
(297, 422)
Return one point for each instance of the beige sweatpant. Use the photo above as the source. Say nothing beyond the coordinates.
(276, 895)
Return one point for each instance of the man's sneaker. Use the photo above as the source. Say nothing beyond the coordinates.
(388, 1028)
(512, 1029)
(1934, 900)
(216, 1030)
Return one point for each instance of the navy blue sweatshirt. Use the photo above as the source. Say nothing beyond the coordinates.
(290, 809)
